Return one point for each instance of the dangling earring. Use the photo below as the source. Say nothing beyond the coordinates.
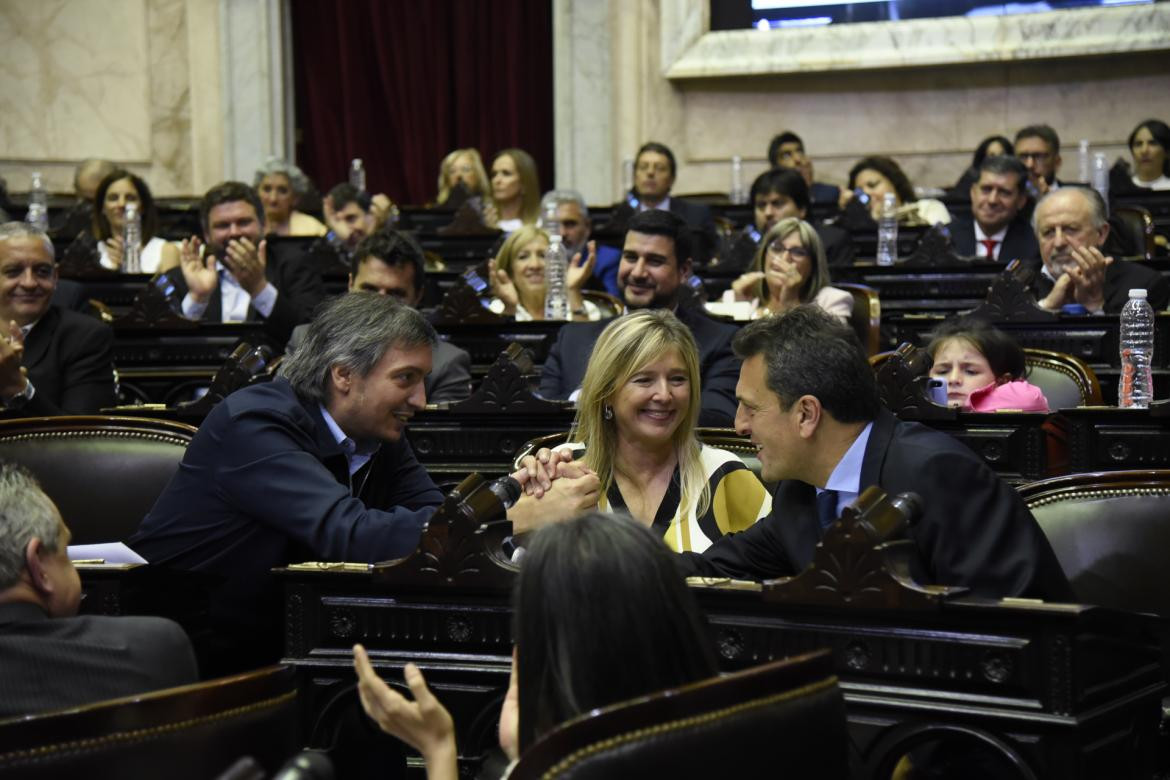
(607, 412)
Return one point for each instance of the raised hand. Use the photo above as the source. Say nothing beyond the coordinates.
(581, 267)
(424, 723)
(744, 286)
(199, 271)
(247, 262)
(115, 251)
(503, 288)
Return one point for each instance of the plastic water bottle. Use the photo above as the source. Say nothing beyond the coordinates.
(38, 203)
(1084, 161)
(132, 241)
(556, 268)
(357, 174)
(887, 248)
(1101, 177)
(627, 177)
(1136, 388)
(736, 194)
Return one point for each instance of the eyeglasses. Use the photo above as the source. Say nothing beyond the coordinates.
(1037, 156)
(797, 253)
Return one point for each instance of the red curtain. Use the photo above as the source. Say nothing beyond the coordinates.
(399, 83)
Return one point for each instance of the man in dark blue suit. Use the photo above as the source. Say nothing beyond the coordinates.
(998, 231)
(808, 399)
(234, 277)
(654, 174)
(655, 262)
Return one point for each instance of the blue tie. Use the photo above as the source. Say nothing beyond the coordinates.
(826, 508)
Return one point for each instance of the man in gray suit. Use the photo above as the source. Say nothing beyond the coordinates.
(391, 263)
(53, 658)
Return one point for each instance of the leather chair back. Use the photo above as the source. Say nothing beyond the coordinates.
(1110, 533)
(866, 317)
(104, 473)
(788, 715)
(193, 732)
(1067, 381)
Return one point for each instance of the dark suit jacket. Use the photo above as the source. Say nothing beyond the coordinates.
(264, 484)
(1018, 244)
(299, 290)
(702, 224)
(57, 663)
(975, 530)
(450, 377)
(820, 192)
(718, 366)
(70, 362)
(1120, 277)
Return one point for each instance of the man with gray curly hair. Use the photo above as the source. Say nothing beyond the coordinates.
(53, 658)
(311, 466)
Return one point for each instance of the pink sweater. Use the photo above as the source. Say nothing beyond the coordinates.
(1019, 395)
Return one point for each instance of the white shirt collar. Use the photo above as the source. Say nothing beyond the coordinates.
(998, 237)
(846, 476)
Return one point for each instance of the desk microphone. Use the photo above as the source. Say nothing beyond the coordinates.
(507, 490)
(910, 505)
(306, 765)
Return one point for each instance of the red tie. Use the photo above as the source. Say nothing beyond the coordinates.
(989, 245)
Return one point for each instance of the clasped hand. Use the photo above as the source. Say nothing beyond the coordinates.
(13, 376)
(1083, 280)
(246, 261)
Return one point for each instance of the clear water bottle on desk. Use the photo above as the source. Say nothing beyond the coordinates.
(887, 247)
(1084, 161)
(736, 194)
(556, 271)
(38, 203)
(1101, 176)
(357, 174)
(132, 241)
(1136, 388)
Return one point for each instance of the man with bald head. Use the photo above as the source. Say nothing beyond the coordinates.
(1071, 226)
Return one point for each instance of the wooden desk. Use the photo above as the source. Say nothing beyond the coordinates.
(1069, 691)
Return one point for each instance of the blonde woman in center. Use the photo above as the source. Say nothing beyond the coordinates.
(635, 428)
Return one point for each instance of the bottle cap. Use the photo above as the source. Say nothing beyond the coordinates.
(1075, 309)
(1137, 293)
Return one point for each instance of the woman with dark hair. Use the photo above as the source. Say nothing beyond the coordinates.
(115, 191)
(984, 368)
(515, 190)
(991, 146)
(1149, 143)
(790, 269)
(601, 616)
(875, 176)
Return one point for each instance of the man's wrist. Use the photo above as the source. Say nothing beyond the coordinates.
(18, 399)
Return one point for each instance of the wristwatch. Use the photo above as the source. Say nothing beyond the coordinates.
(19, 400)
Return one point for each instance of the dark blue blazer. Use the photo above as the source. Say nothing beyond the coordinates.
(718, 366)
(1018, 244)
(975, 530)
(264, 484)
(70, 362)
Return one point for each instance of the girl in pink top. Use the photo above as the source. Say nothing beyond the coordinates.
(983, 367)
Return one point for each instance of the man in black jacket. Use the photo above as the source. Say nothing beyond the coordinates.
(808, 399)
(52, 360)
(997, 230)
(655, 263)
(54, 658)
(234, 278)
(1071, 226)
